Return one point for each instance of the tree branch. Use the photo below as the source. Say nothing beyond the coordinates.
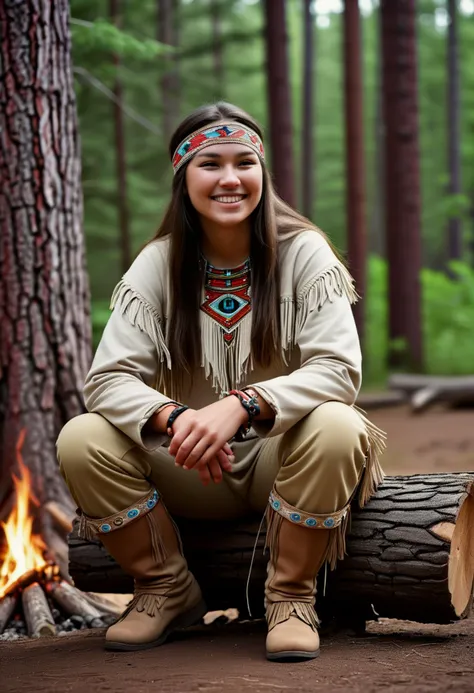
(104, 89)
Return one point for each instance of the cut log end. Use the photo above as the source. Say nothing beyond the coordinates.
(461, 557)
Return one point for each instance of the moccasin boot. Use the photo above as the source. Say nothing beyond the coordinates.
(166, 595)
(296, 555)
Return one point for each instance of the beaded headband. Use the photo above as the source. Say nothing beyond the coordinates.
(216, 134)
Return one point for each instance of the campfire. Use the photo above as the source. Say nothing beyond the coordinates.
(36, 596)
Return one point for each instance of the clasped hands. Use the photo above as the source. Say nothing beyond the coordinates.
(200, 438)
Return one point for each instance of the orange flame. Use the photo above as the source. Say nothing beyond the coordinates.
(24, 550)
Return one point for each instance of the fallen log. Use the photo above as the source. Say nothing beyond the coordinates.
(426, 390)
(410, 556)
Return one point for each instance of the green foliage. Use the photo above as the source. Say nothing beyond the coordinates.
(448, 319)
(448, 310)
(101, 35)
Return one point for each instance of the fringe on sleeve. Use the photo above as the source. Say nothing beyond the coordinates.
(142, 314)
(330, 284)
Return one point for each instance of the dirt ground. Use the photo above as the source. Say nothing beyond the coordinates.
(394, 655)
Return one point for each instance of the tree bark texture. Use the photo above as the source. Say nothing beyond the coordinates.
(279, 100)
(120, 154)
(308, 192)
(402, 180)
(455, 245)
(45, 340)
(355, 160)
(397, 563)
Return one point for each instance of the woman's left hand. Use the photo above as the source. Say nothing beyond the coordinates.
(199, 435)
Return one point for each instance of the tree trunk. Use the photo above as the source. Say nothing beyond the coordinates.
(355, 166)
(398, 550)
(307, 139)
(455, 246)
(218, 47)
(402, 181)
(279, 100)
(45, 338)
(167, 10)
(121, 163)
(377, 228)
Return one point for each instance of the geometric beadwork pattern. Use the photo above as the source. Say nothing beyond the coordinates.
(227, 299)
(231, 132)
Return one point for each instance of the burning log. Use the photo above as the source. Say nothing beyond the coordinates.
(61, 518)
(74, 604)
(409, 556)
(38, 615)
(57, 551)
(7, 606)
(34, 555)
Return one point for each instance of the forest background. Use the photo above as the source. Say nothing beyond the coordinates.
(233, 69)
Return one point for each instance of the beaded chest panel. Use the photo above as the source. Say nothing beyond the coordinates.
(227, 300)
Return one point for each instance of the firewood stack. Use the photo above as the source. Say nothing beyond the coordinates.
(42, 605)
(43, 602)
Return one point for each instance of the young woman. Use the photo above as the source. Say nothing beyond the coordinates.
(224, 384)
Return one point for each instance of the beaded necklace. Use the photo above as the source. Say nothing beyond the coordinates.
(227, 300)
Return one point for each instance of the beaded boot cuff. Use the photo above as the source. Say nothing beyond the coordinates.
(90, 527)
(299, 517)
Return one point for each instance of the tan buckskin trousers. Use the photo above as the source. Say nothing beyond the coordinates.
(315, 467)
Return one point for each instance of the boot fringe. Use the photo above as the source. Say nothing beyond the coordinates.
(373, 474)
(273, 521)
(86, 530)
(147, 602)
(336, 549)
(160, 554)
(278, 612)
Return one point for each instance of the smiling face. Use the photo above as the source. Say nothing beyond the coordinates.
(224, 184)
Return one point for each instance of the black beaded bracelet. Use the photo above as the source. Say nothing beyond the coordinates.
(174, 415)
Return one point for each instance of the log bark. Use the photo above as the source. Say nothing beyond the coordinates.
(39, 620)
(7, 606)
(409, 556)
(45, 343)
(73, 603)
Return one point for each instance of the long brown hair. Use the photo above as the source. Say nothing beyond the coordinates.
(272, 221)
